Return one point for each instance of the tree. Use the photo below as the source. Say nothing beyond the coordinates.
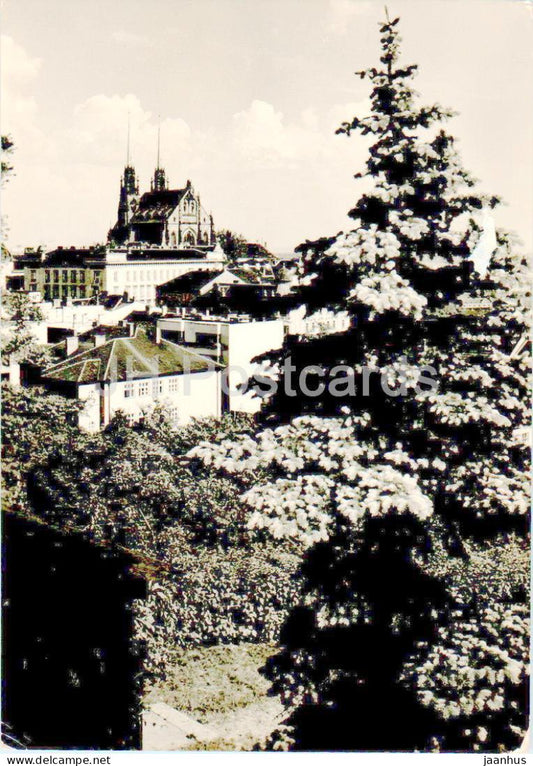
(7, 150)
(7, 169)
(18, 342)
(35, 424)
(133, 489)
(233, 245)
(395, 480)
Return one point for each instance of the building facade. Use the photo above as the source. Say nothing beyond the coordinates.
(133, 374)
(234, 343)
(166, 217)
(158, 236)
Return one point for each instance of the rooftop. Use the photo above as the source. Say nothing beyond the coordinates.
(123, 358)
(157, 205)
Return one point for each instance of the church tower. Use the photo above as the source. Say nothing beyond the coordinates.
(159, 182)
(127, 201)
(129, 193)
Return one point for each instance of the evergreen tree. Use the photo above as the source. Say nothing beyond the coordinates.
(392, 484)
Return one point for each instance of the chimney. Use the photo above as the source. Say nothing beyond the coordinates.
(157, 333)
(72, 344)
(99, 339)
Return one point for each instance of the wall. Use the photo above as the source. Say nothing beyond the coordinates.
(238, 343)
(83, 318)
(187, 396)
(246, 341)
(89, 417)
(139, 280)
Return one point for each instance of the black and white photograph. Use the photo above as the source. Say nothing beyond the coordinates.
(266, 378)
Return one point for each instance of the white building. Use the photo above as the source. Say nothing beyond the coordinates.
(137, 270)
(132, 375)
(322, 322)
(234, 342)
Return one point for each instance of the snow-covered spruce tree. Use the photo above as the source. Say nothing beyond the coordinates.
(397, 498)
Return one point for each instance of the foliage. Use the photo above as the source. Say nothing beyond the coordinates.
(377, 485)
(213, 597)
(7, 149)
(35, 425)
(18, 342)
(131, 489)
(233, 245)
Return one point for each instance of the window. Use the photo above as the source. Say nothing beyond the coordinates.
(144, 388)
(129, 390)
(82, 275)
(55, 292)
(82, 291)
(96, 276)
(33, 274)
(115, 276)
(56, 275)
(173, 385)
(73, 275)
(157, 387)
(173, 413)
(47, 276)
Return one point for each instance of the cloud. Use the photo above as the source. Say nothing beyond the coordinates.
(342, 13)
(18, 66)
(263, 138)
(19, 73)
(130, 39)
(99, 129)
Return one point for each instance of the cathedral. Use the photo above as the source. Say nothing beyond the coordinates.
(158, 236)
(169, 218)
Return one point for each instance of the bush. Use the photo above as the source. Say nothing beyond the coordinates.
(215, 597)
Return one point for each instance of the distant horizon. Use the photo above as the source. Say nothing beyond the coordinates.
(249, 97)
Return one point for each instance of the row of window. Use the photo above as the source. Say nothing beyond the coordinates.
(139, 275)
(66, 275)
(132, 417)
(65, 291)
(150, 387)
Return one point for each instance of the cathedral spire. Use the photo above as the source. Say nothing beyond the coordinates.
(158, 140)
(129, 180)
(128, 144)
(159, 182)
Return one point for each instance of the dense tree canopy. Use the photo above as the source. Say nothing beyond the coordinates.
(399, 478)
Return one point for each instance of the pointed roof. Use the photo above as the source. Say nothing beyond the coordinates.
(126, 358)
(158, 205)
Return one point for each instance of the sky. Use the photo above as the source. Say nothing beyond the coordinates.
(248, 94)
